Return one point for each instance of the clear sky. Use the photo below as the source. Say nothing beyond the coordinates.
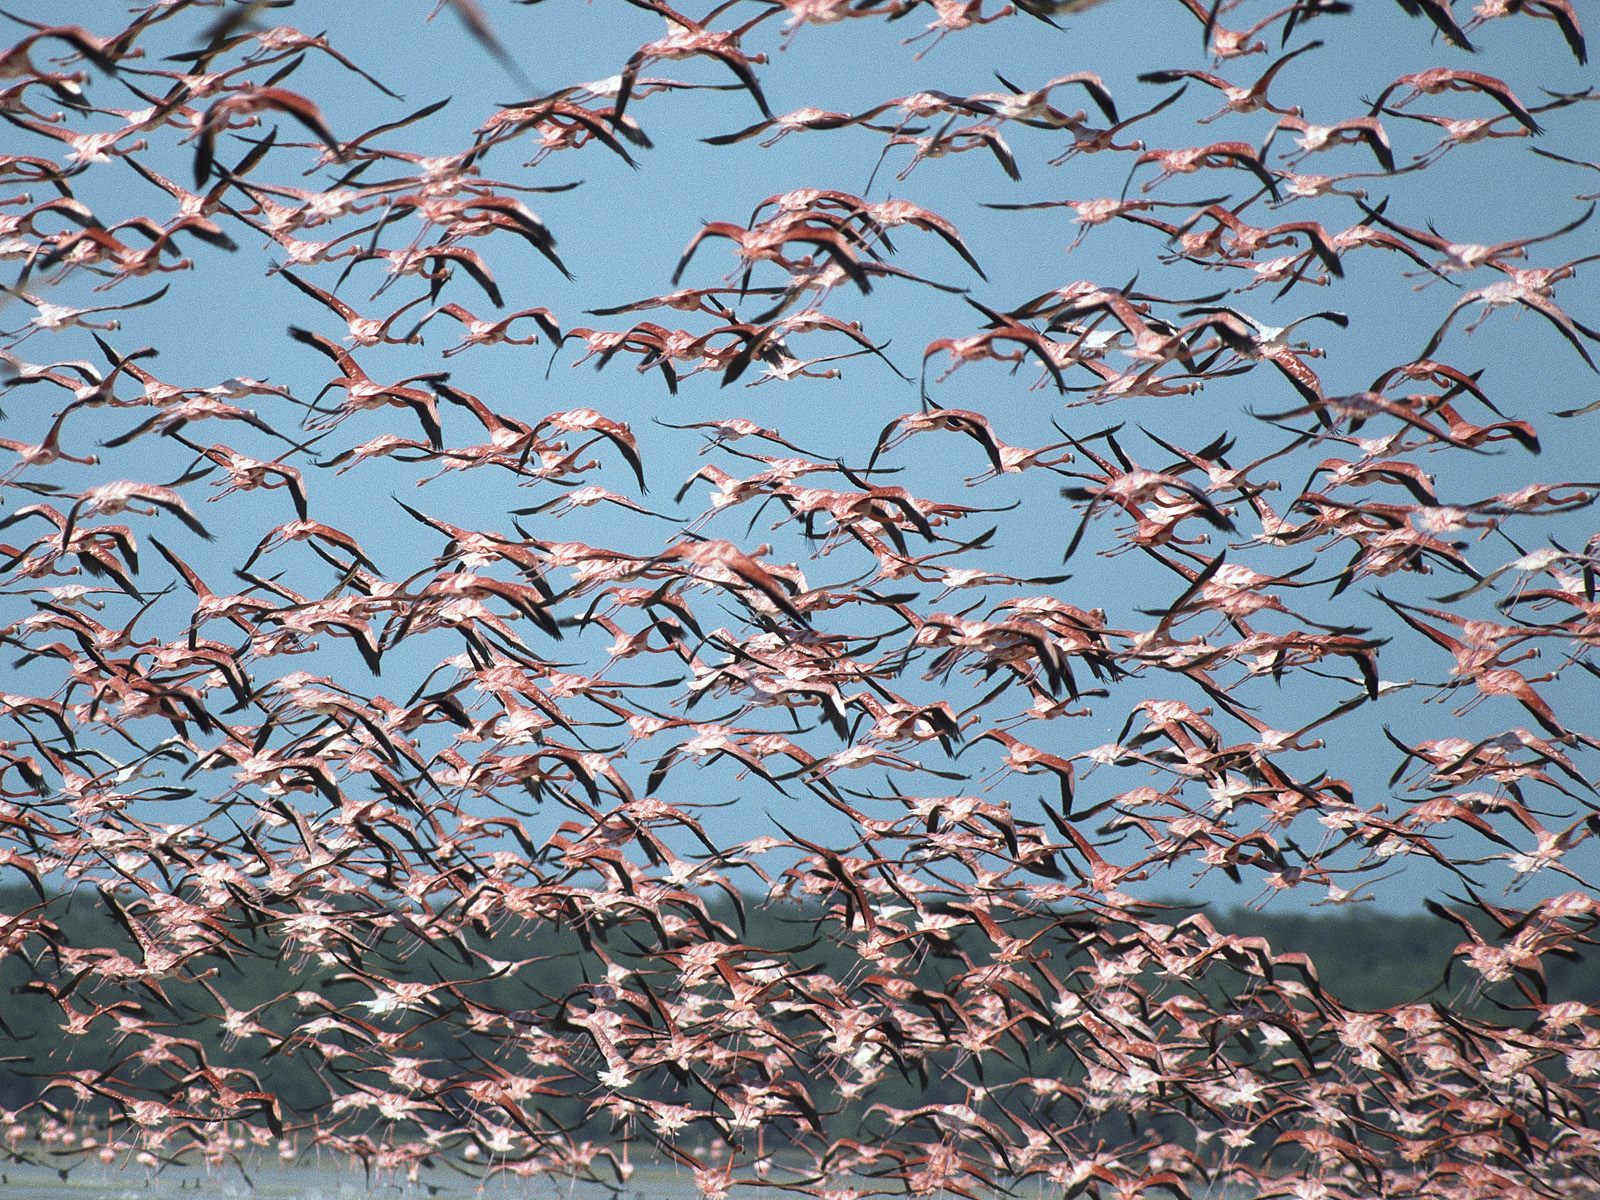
(623, 229)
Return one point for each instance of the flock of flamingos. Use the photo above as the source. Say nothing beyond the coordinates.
(976, 796)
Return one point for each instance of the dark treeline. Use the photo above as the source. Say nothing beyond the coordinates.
(257, 1009)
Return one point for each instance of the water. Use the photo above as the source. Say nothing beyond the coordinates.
(97, 1181)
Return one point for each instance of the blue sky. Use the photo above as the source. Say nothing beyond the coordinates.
(621, 233)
